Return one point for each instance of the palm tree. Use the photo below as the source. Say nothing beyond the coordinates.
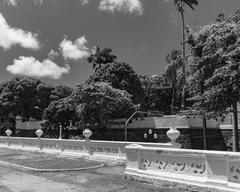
(174, 61)
(180, 4)
(100, 57)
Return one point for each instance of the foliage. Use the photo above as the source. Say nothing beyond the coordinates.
(174, 63)
(98, 102)
(180, 4)
(120, 76)
(59, 92)
(99, 57)
(19, 96)
(216, 52)
(157, 93)
(60, 112)
(28, 97)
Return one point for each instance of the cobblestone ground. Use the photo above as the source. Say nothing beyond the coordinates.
(105, 179)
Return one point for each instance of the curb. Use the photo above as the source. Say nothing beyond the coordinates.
(25, 168)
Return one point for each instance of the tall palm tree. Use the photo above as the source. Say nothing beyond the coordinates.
(174, 61)
(100, 57)
(180, 5)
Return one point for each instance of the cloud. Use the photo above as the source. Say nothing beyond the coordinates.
(11, 2)
(38, 2)
(31, 67)
(74, 50)
(53, 54)
(125, 6)
(15, 3)
(173, 20)
(84, 2)
(10, 36)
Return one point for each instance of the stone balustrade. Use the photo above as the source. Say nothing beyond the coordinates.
(96, 148)
(197, 167)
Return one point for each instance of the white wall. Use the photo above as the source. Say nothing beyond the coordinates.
(163, 122)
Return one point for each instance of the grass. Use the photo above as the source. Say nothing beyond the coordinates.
(44, 161)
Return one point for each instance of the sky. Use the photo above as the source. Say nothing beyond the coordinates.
(51, 39)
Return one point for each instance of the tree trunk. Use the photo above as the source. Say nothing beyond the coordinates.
(173, 100)
(235, 128)
(204, 121)
(185, 60)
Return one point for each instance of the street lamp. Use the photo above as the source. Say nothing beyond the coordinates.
(60, 131)
(126, 123)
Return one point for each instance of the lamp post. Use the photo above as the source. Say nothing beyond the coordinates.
(60, 131)
(126, 123)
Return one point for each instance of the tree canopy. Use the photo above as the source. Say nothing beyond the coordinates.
(157, 93)
(61, 112)
(216, 55)
(98, 102)
(174, 63)
(216, 52)
(120, 76)
(28, 97)
(99, 57)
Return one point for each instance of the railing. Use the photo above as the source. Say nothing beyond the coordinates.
(112, 149)
(204, 168)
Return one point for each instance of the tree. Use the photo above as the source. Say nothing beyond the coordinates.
(174, 61)
(27, 97)
(19, 95)
(99, 102)
(61, 112)
(99, 57)
(157, 93)
(59, 92)
(196, 88)
(120, 76)
(43, 93)
(180, 5)
(216, 50)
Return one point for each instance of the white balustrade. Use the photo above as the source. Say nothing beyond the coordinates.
(214, 169)
(108, 149)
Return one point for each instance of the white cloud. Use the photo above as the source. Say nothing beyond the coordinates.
(53, 54)
(74, 50)
(126, 6)
(84, 2)
(35, 2)
(11, 2)
(31, 67)
(10, 36)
